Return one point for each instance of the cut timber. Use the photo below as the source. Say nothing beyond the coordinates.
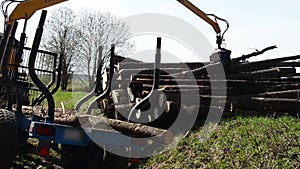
(273, 72)
(163, 65)
(244, 57)
(292, 94)
(135, 129)
(100, 123)
(268, 104)
(260, 65)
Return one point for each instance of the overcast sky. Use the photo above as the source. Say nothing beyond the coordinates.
(253, 24)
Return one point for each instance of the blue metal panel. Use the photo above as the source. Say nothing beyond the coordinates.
(61, 134)
(77, 136)
(110, 138)
(23, 122)
(71, 136)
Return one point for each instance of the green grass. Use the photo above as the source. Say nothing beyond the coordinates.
(248, 142)
(32, 161)
(69, 99)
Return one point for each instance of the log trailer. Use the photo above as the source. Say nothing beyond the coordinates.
(132, 88)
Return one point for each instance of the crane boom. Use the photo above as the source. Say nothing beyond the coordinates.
(201, 14)
(26, 9)
(223, 55)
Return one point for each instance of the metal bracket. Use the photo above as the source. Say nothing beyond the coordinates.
(154, 104)
(107, 89)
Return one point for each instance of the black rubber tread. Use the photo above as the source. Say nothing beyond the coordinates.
(86, 157)
(9, 138)
(114, 161)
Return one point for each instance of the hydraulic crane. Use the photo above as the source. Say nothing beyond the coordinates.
(223, 54)
(26, 9)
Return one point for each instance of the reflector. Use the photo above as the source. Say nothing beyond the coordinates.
(134, 160)
(44, 151)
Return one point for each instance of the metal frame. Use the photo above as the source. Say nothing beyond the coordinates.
(156, 80)
(32, 73)
(107, 89)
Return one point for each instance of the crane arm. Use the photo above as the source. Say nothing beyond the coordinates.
(201, 14)
(26, 9)
(205, 17)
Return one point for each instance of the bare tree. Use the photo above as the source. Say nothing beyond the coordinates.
(97, 32)
(82, 40)
(60, 37)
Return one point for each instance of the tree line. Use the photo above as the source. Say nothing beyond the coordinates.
(83, 39)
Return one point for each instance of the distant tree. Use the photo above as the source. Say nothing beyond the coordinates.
(97, 32)
(83, 39)
(60, 37)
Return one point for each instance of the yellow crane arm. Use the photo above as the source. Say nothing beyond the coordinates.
(26, 9)
(201, 14)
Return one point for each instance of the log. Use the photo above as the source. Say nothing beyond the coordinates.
(207, 82)
(293, 94)
(135, 129)
(289, 64)
(165, 71)
(259, 65)
(244, 57)
(276, 69)
(99, 123)
(256, 113)
(268, 104)
(273, 72)
(132, 65)
(150, 76)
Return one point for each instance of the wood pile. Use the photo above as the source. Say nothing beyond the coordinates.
(258, 87)
(267, 86)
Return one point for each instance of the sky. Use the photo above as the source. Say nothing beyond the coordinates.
(254, 24)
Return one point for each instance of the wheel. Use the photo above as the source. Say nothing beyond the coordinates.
(113, 161)
(86, 157)
(9, 138)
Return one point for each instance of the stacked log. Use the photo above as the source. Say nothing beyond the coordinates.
(265, 86)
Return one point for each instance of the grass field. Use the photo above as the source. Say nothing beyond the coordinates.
(242, 142)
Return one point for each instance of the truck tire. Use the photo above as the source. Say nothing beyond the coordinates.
(113, 161)
(86, 157)
(9, 139)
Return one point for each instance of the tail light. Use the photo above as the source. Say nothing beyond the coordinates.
(43, 130)
(134, 160)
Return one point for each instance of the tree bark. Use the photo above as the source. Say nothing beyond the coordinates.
(64, 76)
